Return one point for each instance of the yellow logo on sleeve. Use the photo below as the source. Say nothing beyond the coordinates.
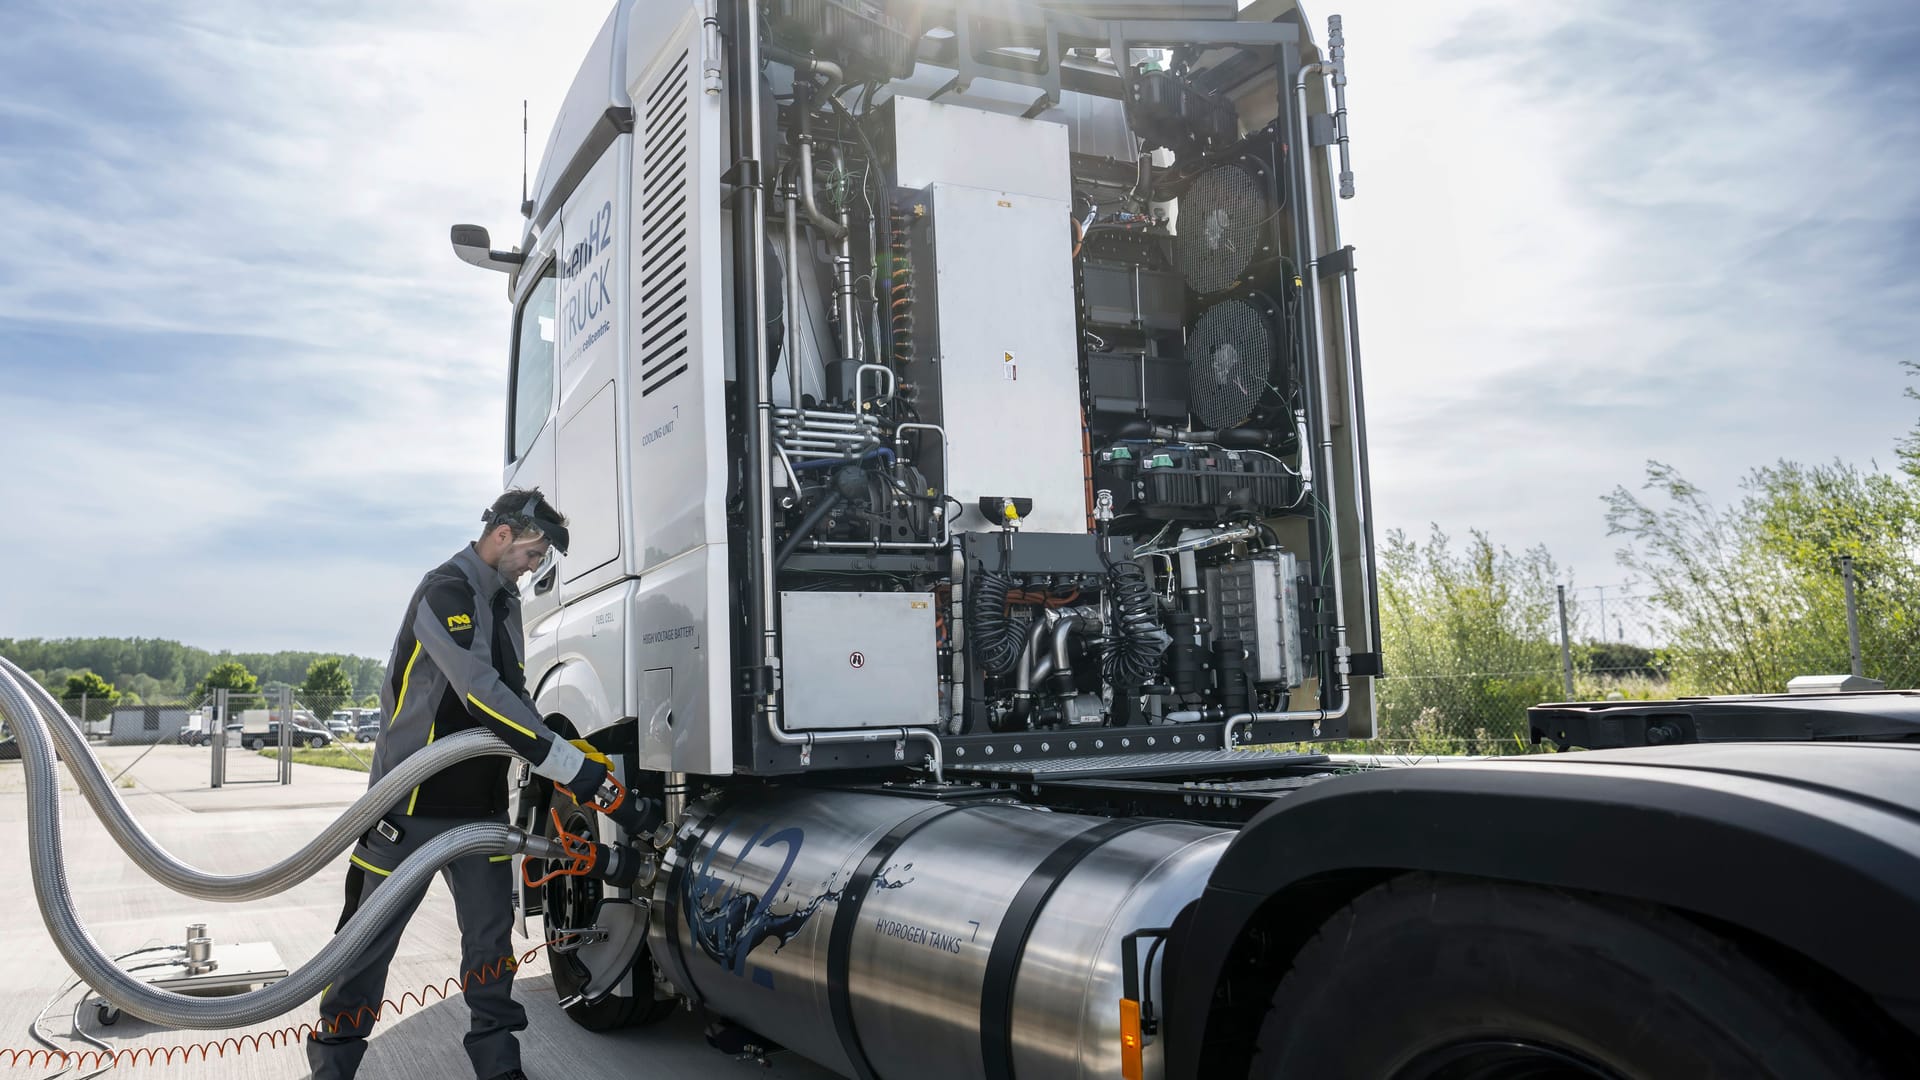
(459, 622)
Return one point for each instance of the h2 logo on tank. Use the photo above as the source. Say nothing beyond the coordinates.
(727, 923)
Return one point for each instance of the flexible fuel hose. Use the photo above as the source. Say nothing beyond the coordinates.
(47, 865)
(316, 854)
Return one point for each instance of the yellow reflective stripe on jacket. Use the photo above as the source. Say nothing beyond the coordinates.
(404, 676)
(367, 866)
(415, 797)
(478, 704)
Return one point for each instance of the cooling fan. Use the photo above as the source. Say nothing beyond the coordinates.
(1233, 361)
(1225, 225)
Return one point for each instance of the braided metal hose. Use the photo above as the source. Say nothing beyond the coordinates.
(317, 853)
(47, 864)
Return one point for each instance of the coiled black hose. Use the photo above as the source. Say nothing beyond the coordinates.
(995, 637)
(1133, 652)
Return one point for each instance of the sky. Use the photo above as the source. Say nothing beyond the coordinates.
(248, 396)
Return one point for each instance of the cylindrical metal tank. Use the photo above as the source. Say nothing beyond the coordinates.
(894, 936)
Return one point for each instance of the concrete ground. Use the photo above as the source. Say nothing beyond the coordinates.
(244, 826)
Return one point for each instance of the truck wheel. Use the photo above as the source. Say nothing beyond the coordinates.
(317, 742)
(570, 902)
(1430, 977)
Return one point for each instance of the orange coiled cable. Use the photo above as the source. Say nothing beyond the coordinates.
(263, 1040)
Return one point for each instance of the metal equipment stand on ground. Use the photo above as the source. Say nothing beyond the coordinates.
(196, 970)
(218, 738)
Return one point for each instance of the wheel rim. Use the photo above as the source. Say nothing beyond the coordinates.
(1502, 1059)
(570, 901)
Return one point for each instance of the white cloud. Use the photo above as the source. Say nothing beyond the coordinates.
(264, 242)
(1590, 239)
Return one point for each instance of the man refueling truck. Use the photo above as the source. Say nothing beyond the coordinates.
(958, 408)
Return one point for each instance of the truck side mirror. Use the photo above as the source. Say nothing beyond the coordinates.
(475, 248)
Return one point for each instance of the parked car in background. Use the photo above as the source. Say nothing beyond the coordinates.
(300, 735)
(368, 730)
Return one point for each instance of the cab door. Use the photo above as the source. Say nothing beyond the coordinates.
(532, 397)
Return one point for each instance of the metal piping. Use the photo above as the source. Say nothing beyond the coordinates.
(47, 867)
(758, 396)
(1062, 633)
(833, 229)
(1200, 539)
(793, 477)
(860, 382)
(1337, 62)
(1356, 410)
(956, 629)
(792, 320)
(875, 546)
(936, 758)
(1316, 340)
(1025, 674)
(851, 346)
(815, 421)
(900, 445)
(786, 413)
(835, 76)
(711, 49)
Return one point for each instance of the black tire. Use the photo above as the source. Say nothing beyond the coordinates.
(565, 898)
(254, 744)
(317, 742)
(1436, 978)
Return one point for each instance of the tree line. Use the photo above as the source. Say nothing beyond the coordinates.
(146, 670)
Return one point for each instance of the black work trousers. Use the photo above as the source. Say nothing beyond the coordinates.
(482, 887)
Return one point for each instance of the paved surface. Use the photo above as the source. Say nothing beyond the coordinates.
(244, 826)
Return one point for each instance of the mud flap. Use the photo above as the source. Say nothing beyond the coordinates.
(531, 796)
(615, 943)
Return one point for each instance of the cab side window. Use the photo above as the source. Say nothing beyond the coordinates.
(535, 330)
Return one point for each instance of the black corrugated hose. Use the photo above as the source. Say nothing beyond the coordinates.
(995, 637)
(1133, 652)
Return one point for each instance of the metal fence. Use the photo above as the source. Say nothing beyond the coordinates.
(242, 731)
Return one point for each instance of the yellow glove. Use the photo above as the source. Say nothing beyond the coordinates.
(593, 755)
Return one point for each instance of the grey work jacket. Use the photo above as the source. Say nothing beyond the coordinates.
(458, 663)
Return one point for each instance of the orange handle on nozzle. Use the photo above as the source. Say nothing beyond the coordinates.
(580, 850)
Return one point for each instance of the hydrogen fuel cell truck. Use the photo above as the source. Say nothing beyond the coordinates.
(959, 410)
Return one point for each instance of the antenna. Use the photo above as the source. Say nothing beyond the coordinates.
(526, 205)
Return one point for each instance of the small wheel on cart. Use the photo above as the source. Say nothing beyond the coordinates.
(107, 1013)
